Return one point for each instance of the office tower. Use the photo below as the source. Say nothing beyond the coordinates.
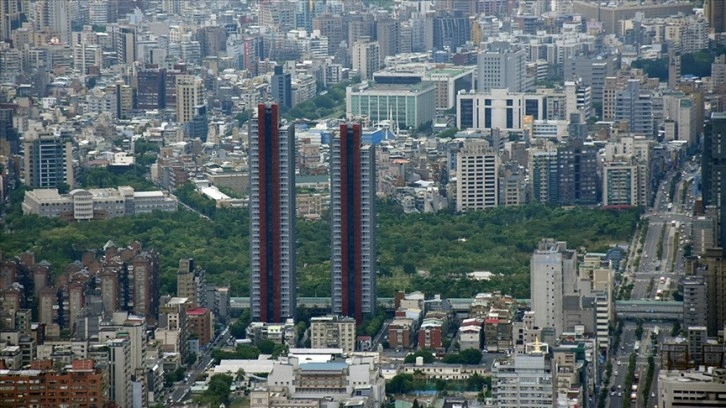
(126, 45)
(715, 11)
(352, 209)
(450, 30)
(190, 282)
(366, 58)
(524, 380)
(332, 27)
(635, 108)
(694, 301)
(502, 68)
(272, 216)
(189, 94)
(56, 15)
(543, 170)
(281, 87)
(9, 136)
(713, 173)
(387, 35)
(477, 181)
(577, 172)
(119, 372)
(124, 101)
(150, 89)
(552, 276)
(48, 161)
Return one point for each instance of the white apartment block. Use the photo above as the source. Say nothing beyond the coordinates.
(552, 276)
(498, 108)
(477, 181)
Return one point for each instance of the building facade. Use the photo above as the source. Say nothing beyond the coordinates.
(408, 106)
(352, 204)
(477, 176)
(272, 216)
(48, 161)
(333, 332)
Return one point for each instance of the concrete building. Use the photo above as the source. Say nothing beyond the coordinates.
(525, 380)
(620, 184)
(201, 325)
(333, 332)
(189, 95)
(81, 385)
(352, 204)
(611, 14)
(272, 216)
(543, 175)
(691, 388)
(408, 106)
(502, 68)
(552, 277)
(119, 378)
(96, 204)
(715, 265)
(366, 58)
(713, 171)
(715, 13)
(281, 87)
(498, 108)
(48, 161)
(592, 72)
(635, 107)
(477, 176)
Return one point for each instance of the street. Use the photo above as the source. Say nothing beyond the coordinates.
(181, 390)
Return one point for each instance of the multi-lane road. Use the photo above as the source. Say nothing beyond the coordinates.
(181, 390)
(669, 226)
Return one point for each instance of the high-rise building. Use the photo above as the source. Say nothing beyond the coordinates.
(190, 282)
(477, 181)
(635, 108)
(694, 301)
(272, 216)
(56, 15)
(189, 94)
(543, 171)
(48, 161)
(332, 27)
(450, 30)
(713, 172)
(525, 380)
(387, 35)
(352, 208)
(366, 58)
(119, 378)
(9, 136)
(126, 45)
(715, 11)
(552, 276)
(281, 87)
(502, 68)
(151, 89)
(577, 180)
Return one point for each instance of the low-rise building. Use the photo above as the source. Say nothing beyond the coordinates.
(333, 331)
(94, 204)
(80, 385)
(692, 388)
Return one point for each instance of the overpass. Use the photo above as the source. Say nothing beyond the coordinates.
(459, 305)
(648, 309)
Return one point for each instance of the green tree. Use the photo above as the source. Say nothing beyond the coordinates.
(428, 357)
(400, 384)
(217, 391)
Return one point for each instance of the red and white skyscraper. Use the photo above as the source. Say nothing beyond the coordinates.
(272, 216)
(352, 210)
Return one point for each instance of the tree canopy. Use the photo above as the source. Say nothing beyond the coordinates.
(432, 253)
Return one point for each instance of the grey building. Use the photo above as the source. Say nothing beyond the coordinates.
(636, 107)
(502, 68)
(694, 301)
(592, 71)
(281, 87)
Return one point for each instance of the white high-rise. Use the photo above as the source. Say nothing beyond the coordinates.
(189, 94)
(503, 68)
(477, 181)
(366, 58)
(552, 276)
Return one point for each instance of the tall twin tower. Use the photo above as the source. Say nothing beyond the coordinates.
(273, 296)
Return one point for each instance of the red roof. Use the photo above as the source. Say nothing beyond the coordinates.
(198, 311)
(491, 321)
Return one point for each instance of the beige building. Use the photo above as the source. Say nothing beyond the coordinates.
(477, 182)
(680, 388)
(366, 58)
(333, 332)
(189, 94)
